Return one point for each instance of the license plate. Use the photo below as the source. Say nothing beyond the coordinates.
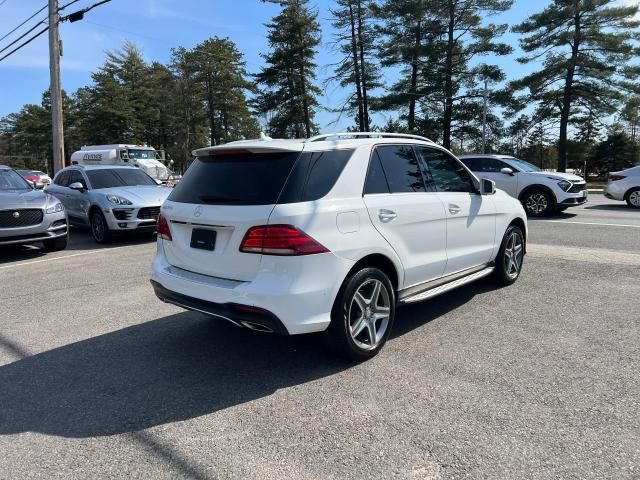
(203, 239)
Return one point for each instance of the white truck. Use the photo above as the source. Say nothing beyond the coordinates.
(147, 159)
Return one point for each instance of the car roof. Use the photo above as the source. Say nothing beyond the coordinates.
(99, 167)
(320, 142)
(487, 155)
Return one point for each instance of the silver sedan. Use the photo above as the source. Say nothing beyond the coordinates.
(28, 215)
(109, 199)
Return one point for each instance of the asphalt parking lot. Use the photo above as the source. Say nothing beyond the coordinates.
(98, 379)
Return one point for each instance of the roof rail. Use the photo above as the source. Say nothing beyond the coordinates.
(325, 136)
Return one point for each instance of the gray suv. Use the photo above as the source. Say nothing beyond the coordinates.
(28, 215)
(109, 198)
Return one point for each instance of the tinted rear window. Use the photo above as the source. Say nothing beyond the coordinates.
(401, 168)
(238, 179)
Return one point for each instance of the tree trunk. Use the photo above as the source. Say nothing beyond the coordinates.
(411, 121)
(356, 71)
(567, 96)
(363, 69)
(448, 82)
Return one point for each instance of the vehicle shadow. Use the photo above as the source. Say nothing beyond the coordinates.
(171, 369)
(79, 241)
(167, 370)
(622, 206)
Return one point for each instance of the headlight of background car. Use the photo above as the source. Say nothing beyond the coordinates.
(115, 199)
(564, 185)
(55, 208)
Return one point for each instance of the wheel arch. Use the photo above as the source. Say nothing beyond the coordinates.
(381, 262)
(538, 186)
(628, 192)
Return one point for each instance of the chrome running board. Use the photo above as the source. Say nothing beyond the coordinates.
(439, 290)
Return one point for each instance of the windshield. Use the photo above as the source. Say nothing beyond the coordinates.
(522, 165)
(11, 180)
(119, 177)
(142, 154)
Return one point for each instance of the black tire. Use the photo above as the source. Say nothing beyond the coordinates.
(55, 244)
(561, 209)
(633, 198)
(99, 227)
(507, 267)
(347, 315)
(538, 203)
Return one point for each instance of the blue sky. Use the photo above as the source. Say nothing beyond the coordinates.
(156, 26)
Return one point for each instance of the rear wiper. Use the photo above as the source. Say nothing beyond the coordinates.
(217, 199)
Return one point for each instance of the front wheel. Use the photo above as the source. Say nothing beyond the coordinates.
(99, 228)
(538, 203)
(633, 198)
(362, 316)
(510, 257)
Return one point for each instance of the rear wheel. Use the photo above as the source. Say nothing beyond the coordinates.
(510, 257)
(55, 244)
(538, 203)
(362, 316)
(99, 228)
(633, 198)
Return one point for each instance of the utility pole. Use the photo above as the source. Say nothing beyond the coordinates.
(55, 88)
(484, 117)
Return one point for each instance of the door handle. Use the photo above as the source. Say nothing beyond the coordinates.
(454, 209)
(387, 215)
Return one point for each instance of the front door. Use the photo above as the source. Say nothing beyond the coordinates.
(471, 219)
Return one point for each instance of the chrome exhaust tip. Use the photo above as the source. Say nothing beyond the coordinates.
(256, 327)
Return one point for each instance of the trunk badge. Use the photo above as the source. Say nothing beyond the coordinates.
(198, 211)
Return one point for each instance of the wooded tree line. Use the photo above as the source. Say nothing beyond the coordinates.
(427, 66)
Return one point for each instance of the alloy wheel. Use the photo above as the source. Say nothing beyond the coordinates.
(634, 198)
(537, 203)
(513, 255)
(369, 314)
(98, 228)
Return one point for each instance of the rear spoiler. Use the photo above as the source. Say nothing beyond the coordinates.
(251, 146)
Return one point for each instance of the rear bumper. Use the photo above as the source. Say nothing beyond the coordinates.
(614, 191)
(299, 298)
(254, 319)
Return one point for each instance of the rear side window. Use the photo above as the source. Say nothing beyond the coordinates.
(474, 164)
(235, 179)
(401, 168)
(376, 179)
(314, 175)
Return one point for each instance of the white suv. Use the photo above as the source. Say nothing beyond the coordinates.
(330, 234)
(541, 193)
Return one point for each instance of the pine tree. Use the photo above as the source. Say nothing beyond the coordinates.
(289, 95)
(219, 68)
(587, 46)
(355, 40)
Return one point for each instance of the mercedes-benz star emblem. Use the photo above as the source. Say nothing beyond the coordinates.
(197, 212)
(16, 214)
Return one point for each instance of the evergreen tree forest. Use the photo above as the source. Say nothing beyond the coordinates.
(427, 67)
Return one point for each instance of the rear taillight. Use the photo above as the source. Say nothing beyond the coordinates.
(280, 240)
(615, 178)
(163, 228)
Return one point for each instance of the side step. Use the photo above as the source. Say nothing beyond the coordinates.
(435, 291)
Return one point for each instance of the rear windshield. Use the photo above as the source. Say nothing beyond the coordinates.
(119, 177)
(235, 179)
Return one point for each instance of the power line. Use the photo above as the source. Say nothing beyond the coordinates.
(41, 22)
(25, 43)
(79, 15)
(9, 33)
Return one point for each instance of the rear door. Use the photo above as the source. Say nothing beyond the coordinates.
(406, 212)
(220, 197)
(470, 216)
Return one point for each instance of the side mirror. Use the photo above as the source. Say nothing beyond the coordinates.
(487, 187)
(507, 171)
(77, 186)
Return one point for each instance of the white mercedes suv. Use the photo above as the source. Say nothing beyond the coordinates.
(330, 234)
(541, 193)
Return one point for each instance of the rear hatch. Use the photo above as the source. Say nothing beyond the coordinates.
(225, 192)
